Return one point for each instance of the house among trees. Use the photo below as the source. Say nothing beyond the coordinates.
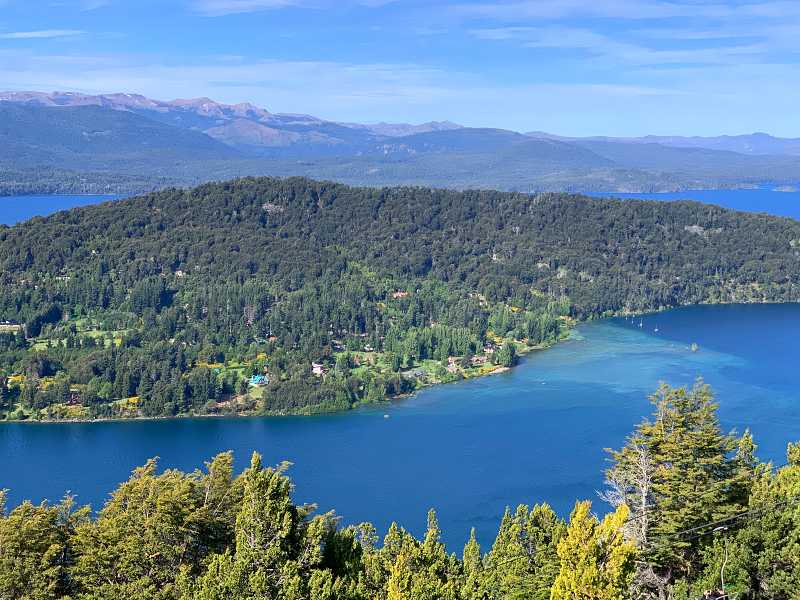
(12, 326)
(398, 295)
(259, 380)
(318, 369)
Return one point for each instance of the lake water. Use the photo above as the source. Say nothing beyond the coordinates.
(783, 204)
(535, 433)
(14, 209)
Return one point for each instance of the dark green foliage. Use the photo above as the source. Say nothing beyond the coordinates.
(302, 271)
(677, 473)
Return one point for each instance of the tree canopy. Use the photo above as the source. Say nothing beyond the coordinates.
(172, 303)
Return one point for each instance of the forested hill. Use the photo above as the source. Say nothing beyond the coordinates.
(170, 301)
(603, 254)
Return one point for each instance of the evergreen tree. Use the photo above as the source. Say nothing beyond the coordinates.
(677, 471)
(276, 546)
(523, 561)
(474, 587)
(36, 549)
(597, 563)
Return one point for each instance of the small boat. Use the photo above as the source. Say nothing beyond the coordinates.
(656, 329)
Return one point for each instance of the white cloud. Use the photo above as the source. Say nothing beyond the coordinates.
(561, 9)
(40, 35)
(615, 51)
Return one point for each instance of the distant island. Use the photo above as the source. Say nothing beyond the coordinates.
(271, 296)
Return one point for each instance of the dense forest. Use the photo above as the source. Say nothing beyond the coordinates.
(293, 296)
(694, 514)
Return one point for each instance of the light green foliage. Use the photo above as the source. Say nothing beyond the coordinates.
(472, 561)
(763, 549)
(276, 548)
(34, 549)
(420, 570)
(152, 526)
(597, 563)
(523, 562)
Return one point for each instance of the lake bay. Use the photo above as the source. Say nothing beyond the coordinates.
(763, 200)
(15, 209)
(469, 449)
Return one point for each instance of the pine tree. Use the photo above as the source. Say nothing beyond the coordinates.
(678, 470)
(474, 585)
(596, 561)
(523, 561)
(763, 551)
(276, 548)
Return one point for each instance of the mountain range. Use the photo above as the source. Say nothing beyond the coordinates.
(97, 141)
(758, 143)
(243, 126)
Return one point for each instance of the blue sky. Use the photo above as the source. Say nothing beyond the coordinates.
(574, 67)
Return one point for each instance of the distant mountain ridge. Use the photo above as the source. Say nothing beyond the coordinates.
(85, 135)
(251, 127)
(753, 144)
(95, 142)
(242, 125)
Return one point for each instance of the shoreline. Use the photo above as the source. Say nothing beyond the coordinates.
(572, 325)
(388, 400)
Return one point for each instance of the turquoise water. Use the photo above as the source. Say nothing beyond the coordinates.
(14, 209)
(782, 204)
(469, 449)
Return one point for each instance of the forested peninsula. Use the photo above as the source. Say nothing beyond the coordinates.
(287, 296)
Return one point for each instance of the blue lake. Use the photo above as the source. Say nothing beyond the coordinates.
(535, 433)
(14, 209)
(783, 204)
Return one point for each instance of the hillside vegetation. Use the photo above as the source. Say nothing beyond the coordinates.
(285, 296)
